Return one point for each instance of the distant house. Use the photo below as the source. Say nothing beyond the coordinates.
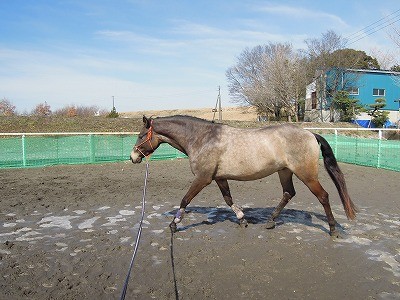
(364, 85)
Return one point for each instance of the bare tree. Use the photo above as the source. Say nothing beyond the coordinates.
(269, 77)
(395, 37)
(42, 109)
(328, 62)
(81, 111)
(319, 51)
(6, 108)
(385, 58)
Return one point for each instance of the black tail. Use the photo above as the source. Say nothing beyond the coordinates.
(337, 176)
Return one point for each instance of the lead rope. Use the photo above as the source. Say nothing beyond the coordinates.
(173, 265)
(138, 234)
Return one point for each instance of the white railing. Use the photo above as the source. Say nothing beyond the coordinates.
(65, 133)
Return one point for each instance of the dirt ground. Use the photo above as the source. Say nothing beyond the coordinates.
(66, 232)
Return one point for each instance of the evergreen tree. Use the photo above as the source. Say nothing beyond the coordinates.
(379, 117)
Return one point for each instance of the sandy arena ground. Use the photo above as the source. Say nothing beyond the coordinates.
(66, 232)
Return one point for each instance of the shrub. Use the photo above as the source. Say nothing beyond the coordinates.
(113, 113)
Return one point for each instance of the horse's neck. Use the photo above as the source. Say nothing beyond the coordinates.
(180, 133)
(173, 132)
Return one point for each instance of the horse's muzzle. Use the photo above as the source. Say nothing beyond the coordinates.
(136, 160)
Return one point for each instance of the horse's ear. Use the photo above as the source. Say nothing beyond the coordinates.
(146, 121)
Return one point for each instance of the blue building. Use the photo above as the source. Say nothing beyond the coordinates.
(364, 85)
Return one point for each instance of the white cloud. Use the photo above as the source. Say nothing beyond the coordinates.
(301, 13)
(32, 77)
(143, 43)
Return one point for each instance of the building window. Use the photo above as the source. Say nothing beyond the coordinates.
(353, 91)
(313, 100)
(378, 92)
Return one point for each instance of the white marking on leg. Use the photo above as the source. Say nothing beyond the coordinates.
(238, 211)
(179, 215)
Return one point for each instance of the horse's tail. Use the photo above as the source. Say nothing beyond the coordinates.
(337, 176)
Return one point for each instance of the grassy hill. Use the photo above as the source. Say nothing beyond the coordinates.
(65, 124)
(128, 122)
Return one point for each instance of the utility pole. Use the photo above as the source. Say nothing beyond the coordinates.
(218, 106)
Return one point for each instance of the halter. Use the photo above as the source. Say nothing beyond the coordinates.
(149, 136)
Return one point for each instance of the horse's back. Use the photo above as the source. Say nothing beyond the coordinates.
(301, 151)
(255, 153)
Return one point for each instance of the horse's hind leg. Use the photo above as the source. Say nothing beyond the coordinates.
(226, 193)
(323, 197)
(286, 178)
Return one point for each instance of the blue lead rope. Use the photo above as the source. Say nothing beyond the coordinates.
(138, 234)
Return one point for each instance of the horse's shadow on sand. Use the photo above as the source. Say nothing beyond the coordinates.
(215, 215)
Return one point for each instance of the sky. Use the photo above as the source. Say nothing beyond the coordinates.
(153, 55)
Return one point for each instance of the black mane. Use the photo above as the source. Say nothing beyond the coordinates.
(186, 117)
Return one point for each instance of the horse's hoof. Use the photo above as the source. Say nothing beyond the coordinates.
(335, 234)
(270, 224)
(243, 222)
(172, 226)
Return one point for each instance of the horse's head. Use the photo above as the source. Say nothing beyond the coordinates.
(146, 142)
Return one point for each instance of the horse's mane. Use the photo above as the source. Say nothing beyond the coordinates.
(186, 117)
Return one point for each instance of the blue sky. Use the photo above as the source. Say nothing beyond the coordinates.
(157, 54)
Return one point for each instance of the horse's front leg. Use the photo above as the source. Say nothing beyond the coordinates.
(197, 185)
(226, 193)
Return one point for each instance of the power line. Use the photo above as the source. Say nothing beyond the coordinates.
(370, 33)
(371, 29)
(362, 29)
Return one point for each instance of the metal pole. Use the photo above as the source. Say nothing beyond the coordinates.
(23, 151)
(92, 148)
(379, 148)
(336, 142)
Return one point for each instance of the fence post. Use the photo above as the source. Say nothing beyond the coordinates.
(23, 151)
(57, 148)
(92, 148)
(122, 146)
(336, 142)
(379, 149)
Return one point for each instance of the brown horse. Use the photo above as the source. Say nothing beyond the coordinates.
(220, 152)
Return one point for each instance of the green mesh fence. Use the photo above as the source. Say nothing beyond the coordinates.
(32, 151)
(366, 152)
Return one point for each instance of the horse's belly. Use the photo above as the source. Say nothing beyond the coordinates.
(247, 169)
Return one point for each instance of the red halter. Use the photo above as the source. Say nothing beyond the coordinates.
(148, 139)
